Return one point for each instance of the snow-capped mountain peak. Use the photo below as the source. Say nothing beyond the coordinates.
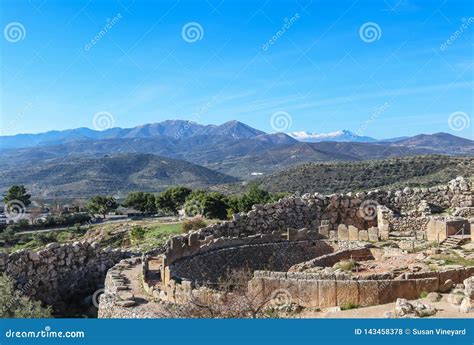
(342, 135)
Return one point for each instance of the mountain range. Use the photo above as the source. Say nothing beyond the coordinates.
(65, 161)
(341, 136)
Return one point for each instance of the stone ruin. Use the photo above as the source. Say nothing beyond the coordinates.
(290, 245)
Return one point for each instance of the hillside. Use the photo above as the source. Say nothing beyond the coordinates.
(386, 173)
(271, 160)
(115, 175)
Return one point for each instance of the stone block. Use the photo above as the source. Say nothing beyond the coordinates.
(327, 293)
(255, 289)
(342, 233)
(333, 235)
(308, 293)
(390, 290)
(292, 234)
(289, 289)
(436, 230)
(449, 274)
(368, 292)
(363, 235)
(373, 234)
(347, 291)
(193, 242)
(302, 234)
(353, 233)
(269, 286)
(324, 231)
(427, 285)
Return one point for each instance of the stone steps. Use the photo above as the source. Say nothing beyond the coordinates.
(452, 242)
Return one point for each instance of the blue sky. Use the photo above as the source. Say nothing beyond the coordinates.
(321, 71)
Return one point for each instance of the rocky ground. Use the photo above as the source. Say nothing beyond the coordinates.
(444, 309)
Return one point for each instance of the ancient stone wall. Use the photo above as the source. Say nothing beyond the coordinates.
(345, 217)
(316, 290)
(328, 260)
(324, 213)
(59, 272)
(213, 266)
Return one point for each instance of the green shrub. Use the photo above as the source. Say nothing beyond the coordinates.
(423, 294)
(346, 265)
(137, 234)
(15, 305)
(193, 224)
(349, 305)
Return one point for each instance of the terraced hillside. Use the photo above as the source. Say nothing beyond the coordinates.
(385, 173)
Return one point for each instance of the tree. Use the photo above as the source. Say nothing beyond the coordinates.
(172, 199)
(150, 203)
(143, 202)
(135, 200)
(14, 305)
(102, 205)
(209, 204)
(17, 195)
(254, 195)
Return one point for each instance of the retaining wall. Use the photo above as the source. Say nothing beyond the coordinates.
(59, 272)
(319, 291)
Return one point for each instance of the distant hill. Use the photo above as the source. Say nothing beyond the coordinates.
(278, 158)
(441, 142)
(116, 174)
(370, 174)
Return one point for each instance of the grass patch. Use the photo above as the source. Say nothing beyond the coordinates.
(346, 265)
(454, 259)
(349, 306)
(156, 235)
(40, 239)
(423, 294)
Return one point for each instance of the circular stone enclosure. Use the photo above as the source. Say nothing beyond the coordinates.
(215, 266)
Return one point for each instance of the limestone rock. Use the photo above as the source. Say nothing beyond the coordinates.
(126, 304)
(433, 297)
(446, 286)
(465, 306)
(33, 256)
(404, 308)
(469, 287)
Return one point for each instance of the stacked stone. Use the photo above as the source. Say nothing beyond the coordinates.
(324, 213)
(58, 272)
